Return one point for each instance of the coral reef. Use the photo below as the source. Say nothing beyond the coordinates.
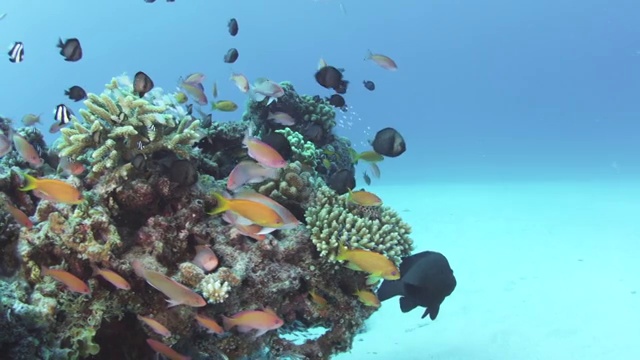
(332, 221)
(152, 171)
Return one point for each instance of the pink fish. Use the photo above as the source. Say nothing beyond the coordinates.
(210, 324)
(55, 127)
(249, 172)
(177, 293)
(196, 91)
(5, 145)
(68, 279)
(155, 325)
(281, 118)
(194, 78)
(244, 226)
(19, 216)
(246, 321)
(165, 350)
(383, 61)
(289, 220)
(70, 167)
(263, 152)
(241, 82)
(205, 258)
(27, 151)
(265, 88)
(111, 276)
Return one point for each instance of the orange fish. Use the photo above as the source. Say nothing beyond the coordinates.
(210, 324)
(165, 350)
(368, 298)
(56, 190)
(317, 299)
(246, 321)
(26, 150)
(249, 172)
(177, 293)
(70, 167)
(376, 265)
(290, 221)
(155, 325)
(263, 152)
(383, 61)
(364, 198)
(205, 258)
(19, 216)
(255, 212)
(112, 277)
(69, 280)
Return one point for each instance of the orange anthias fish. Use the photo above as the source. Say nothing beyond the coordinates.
(177, 293)
(210, 324)
(53, 189)
(264, 88)
(70, 167)
(112, 277)
(205, 258)
(249, 172)
(246, 321)
(376, 265)
(363, 198)
(253, 211)
(368, 298)
(155, 325)
(69, 280)
(19, 216)
(382, 60)
(27, 151)
(262, 152)
(317, 299)
(253, 231)
(165, 350)
(289, 220)
(241, 82)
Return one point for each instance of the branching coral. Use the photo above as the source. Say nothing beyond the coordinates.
(303, 151)
(332, 221)
(118, 124)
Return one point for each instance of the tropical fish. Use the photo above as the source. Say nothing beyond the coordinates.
(224, 105)
(368, 298)
(232, 25)
(321, 63)
(155, 325)
(30, 119)
(16, 52)
(76, 93)
(69, 280)
(181, 97)
(281, 118)
(263, 152)
(70, 49)
(389, 142)
(26, 150)
(5, 144)
(19, 216)
(369, 85)
(249, 172)
(252, 230)
(375, 170)
(205, 258)
(70, 167)
(246, 321)
(367, 179)
(177, 293)
(111, 276)
(231, 56)
(364, 198)
(215, 89)
(142, 83)
(210, 324)
(289, 220)
(62, 114)
(264, 88)
(253, 211)
(241, 82)
(337, 100)
(193, 86)
(56, 190)
(165, 350)
(382, 60)
(375, 264)
(369, 155)
(317, 299)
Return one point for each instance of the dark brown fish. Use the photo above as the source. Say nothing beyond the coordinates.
(76, 93)
(70, 49)
(233, 26)
(389, 142)
(367, 179)
(337, 101)
(231, 56)
(142, 83)
(329, 77)
(369, 85)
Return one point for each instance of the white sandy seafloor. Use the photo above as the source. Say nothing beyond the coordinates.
(545, 271)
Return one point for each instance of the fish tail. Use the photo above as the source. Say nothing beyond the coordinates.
(228, 323)
(221, 206)
(32, 183)
(342, 252)
(95, 270)
(369, 55)
(44, 270)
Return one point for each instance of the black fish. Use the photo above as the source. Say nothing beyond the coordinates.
(342, 181)
(189, 109)
(142, 83)
(389, 142)
(16, 52)
(367, 179)
(425, 280)
(70, 49)
(206, 121)
(369, 85)
(231, 56)
(329, 77)
(337, 101)
(149, 1)
(233, 27)
(62, 114)
(76, 93)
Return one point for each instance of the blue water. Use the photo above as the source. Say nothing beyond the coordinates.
(486, 91)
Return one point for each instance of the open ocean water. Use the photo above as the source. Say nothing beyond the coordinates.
(521, 122)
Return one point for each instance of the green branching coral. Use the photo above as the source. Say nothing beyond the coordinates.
(118, 124)
(332, 221)
(303, 151)
(295, 184)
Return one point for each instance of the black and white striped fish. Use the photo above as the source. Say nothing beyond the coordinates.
(16, 52)
(63, 114)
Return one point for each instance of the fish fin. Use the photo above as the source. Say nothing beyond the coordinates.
(266, 231)
(260, 333)
(369, 55)
(244, 328)
(221, 206)
(432, 311)
(172, 303)
(227, 323)
(271, 99)
(389, 289)
(95, 270)
(372, 279)
(32, 183)
(342, 252)
(407, 304)
(353, 266)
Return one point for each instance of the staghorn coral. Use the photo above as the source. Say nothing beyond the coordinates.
(303, 151)
(213, 289)
(117, 124)
(332, 221)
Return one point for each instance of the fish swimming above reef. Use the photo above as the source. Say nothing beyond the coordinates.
(70, 49)
(53, 189)
(177, 293)
(389, 142)
(383, 61)
(16, 52)
(76, 93)
(142, 83)
(231, 56)
(427, 279)
(257, 213)
(369, 85)
(232, 25)
(260, 320)
(375, 264)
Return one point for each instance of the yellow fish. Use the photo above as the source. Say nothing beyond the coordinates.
(368, 298)
(369, 156)
(181, 97)
(376, 265)
(363, 198)
(257, 213)
(55, 190)
(224, 105)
